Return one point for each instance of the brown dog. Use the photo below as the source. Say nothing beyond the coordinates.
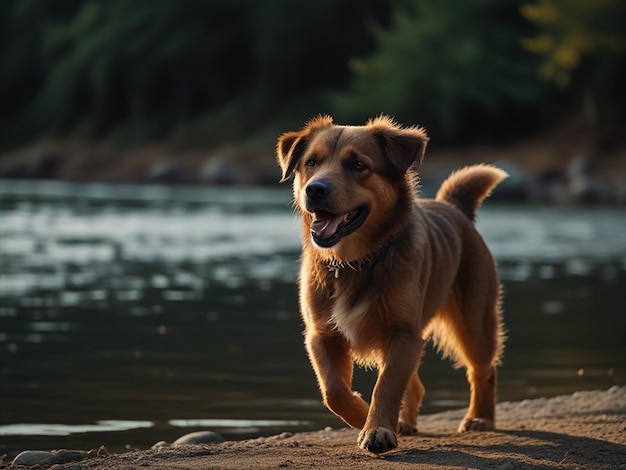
(382, 271)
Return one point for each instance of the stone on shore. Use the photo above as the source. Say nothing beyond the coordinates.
(198, 437)
(42, 458)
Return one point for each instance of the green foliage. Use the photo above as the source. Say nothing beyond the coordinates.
(157, 69)
(582, 47)
(117, 61)
(569, 30)
(440, 59)
(305, 46)
(96, 67)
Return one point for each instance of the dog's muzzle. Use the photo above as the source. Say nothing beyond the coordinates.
(328, 226)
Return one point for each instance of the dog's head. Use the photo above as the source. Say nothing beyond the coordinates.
(350, 180)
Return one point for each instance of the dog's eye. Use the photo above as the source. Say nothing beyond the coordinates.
(310, 162)
(359, 166)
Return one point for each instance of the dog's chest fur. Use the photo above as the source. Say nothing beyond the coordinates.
(348, 319)
(359, 324)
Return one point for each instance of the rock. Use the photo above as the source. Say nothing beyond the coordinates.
(64, 456)
(42, 458)
(30, 458)
(584, 185)
(218, 170)
(549, 186)
(515, 186)
(98, 452)
(199, 437)
(165, 171)
(48, 166)
(160, 445)
(581, 166)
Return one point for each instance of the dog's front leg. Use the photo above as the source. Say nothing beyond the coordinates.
(400, 363)
(333, 364)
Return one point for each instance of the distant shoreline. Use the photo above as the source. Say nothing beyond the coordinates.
(539, 171)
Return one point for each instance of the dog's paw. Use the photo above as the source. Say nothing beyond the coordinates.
(476, 424)
(377, 440)
(406, 429)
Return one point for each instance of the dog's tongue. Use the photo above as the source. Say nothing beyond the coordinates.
(325, 224)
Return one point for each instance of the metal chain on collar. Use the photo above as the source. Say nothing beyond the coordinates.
(337, 266)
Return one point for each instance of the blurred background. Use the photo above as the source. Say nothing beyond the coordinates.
(148, 257)
(198, 91)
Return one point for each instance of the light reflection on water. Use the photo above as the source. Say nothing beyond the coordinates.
(67, 429)
(161, 305)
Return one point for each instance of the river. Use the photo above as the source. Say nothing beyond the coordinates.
(133, 314)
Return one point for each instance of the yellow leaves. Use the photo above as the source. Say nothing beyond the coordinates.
(544, 12)
(550, 72)
(567, 55)
(539, 45)
(570, 30)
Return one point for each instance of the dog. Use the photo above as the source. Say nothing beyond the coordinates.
(382, 271)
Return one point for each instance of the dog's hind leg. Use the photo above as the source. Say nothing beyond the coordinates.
(481, 413)
(411, 402)
(478, 344)
(333, 365)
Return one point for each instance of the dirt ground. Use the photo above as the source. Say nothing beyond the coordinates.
(586, 430)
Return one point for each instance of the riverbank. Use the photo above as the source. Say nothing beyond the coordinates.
(559, 169)
(585, 430)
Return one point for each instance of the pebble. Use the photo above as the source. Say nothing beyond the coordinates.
(219, 170)
(30, 458)
(199, 437)
(160, 445)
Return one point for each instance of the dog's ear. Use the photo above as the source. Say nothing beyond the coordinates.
(289, 149)
(402, 147)
(291, 145)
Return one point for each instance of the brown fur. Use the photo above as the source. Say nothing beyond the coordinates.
(413, 269)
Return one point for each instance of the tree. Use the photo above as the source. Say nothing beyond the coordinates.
(119, 61)
(441, 61)
(569, 30)
(92, 67)
(582, 46)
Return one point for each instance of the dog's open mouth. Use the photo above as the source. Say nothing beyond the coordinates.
(327, 228)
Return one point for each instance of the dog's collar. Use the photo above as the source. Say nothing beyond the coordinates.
(336, 266)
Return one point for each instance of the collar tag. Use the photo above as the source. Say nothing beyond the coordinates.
(336, 266)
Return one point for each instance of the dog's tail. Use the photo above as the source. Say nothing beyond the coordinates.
(468, 187)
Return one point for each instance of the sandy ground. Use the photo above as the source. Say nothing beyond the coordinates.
(586, 430)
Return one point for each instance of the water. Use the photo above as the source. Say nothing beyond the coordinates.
(130, 315)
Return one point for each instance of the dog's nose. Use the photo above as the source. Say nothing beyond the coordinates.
(318, 190)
